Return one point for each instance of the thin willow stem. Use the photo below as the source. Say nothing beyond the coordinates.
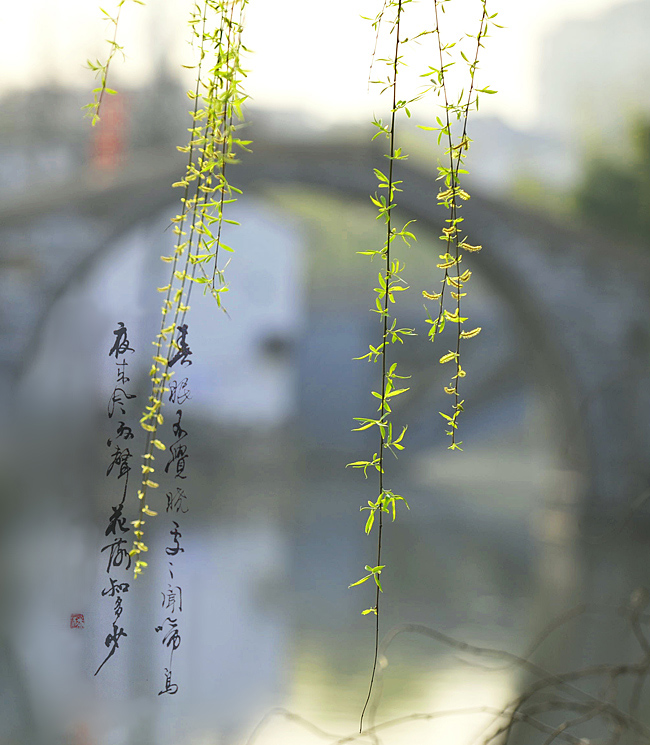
(382, 433)
(157, 390)
(451, 233)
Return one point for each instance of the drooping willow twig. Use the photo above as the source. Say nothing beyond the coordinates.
(213, 144)
(101, 69)
(390, 283)
(449, 197)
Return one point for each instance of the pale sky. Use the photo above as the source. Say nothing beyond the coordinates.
(308, 55)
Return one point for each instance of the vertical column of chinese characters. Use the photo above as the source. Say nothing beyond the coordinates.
(116, 553)
(172, 595)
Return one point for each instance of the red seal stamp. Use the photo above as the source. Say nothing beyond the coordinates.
(76, 620)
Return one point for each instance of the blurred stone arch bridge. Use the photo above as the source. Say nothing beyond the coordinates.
(580, 302)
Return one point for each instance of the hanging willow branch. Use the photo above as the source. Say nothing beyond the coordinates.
(451, 197)
(101, 68)
(390, 283)
(390, 277)
(217, 103)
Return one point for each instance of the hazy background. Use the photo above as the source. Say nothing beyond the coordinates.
(544, 508)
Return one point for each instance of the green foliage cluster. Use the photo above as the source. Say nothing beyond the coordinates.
(614, 195)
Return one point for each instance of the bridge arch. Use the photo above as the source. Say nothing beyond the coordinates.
(546, 273)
